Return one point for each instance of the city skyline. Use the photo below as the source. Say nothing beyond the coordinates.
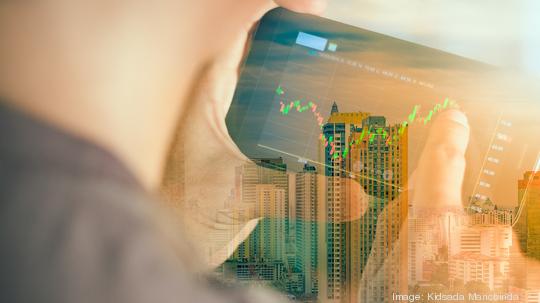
(331, 252)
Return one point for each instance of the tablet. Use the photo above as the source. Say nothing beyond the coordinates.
(302, 70)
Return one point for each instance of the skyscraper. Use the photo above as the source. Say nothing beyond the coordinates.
(362, 148)
(262, 171)
(307, 228)
(259, 186)
(528, 215)
(377, 160)
(269, 234)
(336, 134)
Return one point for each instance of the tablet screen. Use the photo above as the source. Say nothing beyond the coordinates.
(318, 97)
(302, 68)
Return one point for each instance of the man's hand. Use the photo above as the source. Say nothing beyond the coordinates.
(209, 154)
(437, 182)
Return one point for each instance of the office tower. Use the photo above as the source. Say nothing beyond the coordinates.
(528, 214)
(262, 171)
(258, 185)
(307, 228)
(377, 160)
(527, 227)
(229, 224)
(333, 282)
(290, 249)
(243, 213)
(274, 171)
(270, 233)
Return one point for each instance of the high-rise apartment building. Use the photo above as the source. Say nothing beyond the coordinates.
(307, 226)
(262, 191)
(364, 149)
(337, 131)
(262, 171)
(528, 214)
(527, 227)
(377, 160)
(269, 235)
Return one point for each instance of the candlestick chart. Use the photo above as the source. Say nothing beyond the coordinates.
(286, 107)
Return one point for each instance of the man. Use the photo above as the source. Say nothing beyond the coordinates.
(91, 93)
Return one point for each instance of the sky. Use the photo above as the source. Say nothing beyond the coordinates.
(500, 32)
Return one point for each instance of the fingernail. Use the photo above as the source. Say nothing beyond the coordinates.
(456, 116)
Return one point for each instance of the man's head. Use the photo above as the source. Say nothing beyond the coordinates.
(117, 72)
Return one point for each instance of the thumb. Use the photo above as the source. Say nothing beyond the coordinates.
(439, 177)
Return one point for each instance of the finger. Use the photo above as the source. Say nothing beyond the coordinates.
(304, 6)
(438, 178)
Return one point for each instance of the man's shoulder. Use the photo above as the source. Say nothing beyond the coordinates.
(80, 234)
